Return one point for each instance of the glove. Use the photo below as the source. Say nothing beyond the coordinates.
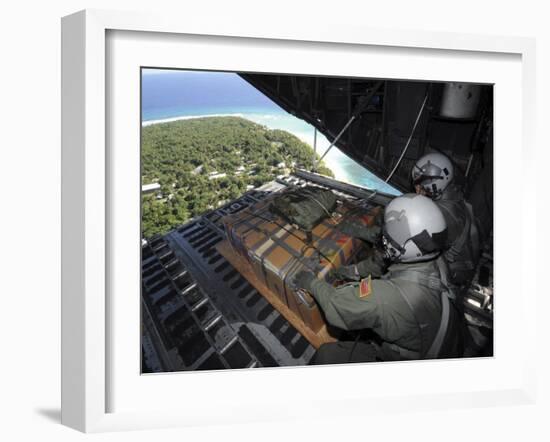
(303, 280)
(367, 233)
(345, 272)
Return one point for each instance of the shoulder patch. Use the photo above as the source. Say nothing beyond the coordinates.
(365, 287)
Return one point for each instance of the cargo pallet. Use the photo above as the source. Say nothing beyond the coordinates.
(316, 339)
(190, 291)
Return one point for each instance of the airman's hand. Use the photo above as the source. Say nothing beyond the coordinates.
(349, 273)
(303, 280)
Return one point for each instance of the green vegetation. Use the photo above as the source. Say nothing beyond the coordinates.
(202, 163)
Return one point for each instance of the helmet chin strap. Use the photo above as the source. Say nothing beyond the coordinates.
(390, 251)
(422, 189)
(389, 255)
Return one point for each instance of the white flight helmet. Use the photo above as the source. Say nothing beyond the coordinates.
(433, 172)
(414, 229)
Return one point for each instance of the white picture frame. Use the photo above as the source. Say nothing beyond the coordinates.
(88, 176)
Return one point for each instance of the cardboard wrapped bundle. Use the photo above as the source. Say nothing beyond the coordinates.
(269, 252)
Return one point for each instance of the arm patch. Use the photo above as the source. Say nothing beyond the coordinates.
(365, 287)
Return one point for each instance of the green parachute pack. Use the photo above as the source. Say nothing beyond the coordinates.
(305, 206)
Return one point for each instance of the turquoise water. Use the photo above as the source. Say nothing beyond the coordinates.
(168, 95)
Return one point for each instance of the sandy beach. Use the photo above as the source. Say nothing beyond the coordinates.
(187, 117)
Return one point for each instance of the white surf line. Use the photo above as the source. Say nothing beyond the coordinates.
(188, 117)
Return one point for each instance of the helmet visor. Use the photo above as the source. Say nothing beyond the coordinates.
(426, 174)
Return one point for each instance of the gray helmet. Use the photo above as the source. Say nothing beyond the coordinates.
(433, 172)
(414, 229)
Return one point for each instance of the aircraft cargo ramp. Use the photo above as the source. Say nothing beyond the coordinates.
(200, 313)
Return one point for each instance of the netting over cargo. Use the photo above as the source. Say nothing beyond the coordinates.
(276, 250)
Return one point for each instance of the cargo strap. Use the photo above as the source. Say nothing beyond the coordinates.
(321, 242)
(285, 271)
(446, 293)
(298, 256)
(289, 268)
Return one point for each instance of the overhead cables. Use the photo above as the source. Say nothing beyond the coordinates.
(360, 107)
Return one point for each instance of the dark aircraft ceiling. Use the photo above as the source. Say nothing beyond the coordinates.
(386, 112)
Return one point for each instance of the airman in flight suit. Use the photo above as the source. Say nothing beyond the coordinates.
(433, 176)
(409, 307)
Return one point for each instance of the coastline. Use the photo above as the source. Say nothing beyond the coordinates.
(344, 168)
(187, 117)
(260, 119)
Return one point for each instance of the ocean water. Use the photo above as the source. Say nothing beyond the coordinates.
(173, 94)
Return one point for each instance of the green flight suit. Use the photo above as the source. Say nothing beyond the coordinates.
(462, 237)
(404, 308)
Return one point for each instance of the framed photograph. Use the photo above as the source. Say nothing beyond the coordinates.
(250, 214)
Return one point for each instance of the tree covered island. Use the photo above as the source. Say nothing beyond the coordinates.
(203, 163)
